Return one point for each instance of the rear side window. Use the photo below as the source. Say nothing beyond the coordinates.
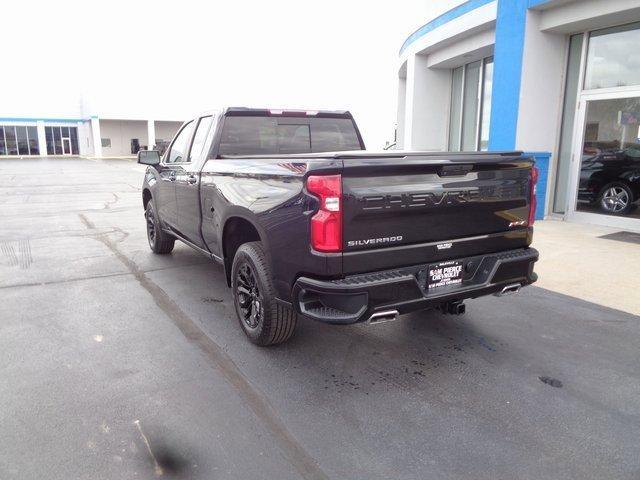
(246, 135)
(199, 138)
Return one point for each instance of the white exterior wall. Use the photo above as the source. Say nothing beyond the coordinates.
(121, 132)
(402, 98)
(541, 88)
(467, 50)
(95, 136)
(42, 138)
(85, 140)
(426, 105)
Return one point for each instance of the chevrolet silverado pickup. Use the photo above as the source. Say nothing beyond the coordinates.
(307, 223)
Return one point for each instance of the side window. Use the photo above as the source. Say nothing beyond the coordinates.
(199, 138)
(179, 147)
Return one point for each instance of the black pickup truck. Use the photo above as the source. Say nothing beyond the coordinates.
(307, 223)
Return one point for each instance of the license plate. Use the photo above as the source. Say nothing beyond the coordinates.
(444, 273)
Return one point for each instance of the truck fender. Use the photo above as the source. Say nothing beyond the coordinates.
(240, 226)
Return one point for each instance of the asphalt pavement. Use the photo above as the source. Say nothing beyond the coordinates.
(117, 363)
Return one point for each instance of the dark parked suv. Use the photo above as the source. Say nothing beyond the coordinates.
(305, 222)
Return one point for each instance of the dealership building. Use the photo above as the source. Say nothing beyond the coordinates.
(80, 131)
(557, 78)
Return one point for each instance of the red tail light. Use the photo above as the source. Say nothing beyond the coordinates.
(533, 202)
(326, 225)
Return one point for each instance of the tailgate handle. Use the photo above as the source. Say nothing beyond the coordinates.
(453, 170)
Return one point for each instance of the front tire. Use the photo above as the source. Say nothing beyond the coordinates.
(262, 318)
(616, 199)
(159, 241)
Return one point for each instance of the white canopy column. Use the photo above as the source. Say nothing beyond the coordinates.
(151, 134)
(425, 111)
(97, 138)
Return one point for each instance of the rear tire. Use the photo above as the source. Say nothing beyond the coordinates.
(264, 320)
(159, 241)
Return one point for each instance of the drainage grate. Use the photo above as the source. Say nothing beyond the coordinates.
(628, 237)
(17, 254)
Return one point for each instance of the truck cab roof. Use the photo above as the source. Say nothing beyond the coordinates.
(286, 112)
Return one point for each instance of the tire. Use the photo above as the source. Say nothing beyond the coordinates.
(262, 318)
(159, 241)
(616, 199)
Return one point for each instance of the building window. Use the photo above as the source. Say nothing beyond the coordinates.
(48, 133)
(612, 58)
(74, 140)
(32, 135)
(23, 143)
(10, 140)
(62, 140)
(18, 140)
(106, 142)
(485, 104)
(471, 106)
(57, 140)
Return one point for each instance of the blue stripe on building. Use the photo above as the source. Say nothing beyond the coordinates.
(60, 120)
(536, 3)
(446, 17)
(507, 72)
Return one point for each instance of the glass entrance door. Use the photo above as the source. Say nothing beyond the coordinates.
(607, 160)
(66, 146)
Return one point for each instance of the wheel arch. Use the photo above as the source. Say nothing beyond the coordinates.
(236, 231)
(146, 197)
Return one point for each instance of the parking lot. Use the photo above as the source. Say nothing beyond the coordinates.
(117, 363)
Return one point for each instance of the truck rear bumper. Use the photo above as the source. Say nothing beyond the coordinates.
(361, 297)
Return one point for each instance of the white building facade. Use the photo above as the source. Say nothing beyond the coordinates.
(78, 132)
(557, 78)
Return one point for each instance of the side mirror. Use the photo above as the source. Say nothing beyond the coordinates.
(149, 157)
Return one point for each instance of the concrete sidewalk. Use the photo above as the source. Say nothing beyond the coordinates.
(576, 262)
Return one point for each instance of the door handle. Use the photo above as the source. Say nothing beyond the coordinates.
(172, 175)
(192, 179)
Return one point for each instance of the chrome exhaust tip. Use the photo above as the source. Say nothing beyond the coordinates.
(382, 317)
(509, 290)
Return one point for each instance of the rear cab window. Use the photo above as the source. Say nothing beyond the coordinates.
(270, 135)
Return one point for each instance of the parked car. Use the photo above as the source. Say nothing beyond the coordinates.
(305, 222)
(610, 179)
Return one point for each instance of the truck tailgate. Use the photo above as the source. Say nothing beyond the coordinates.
(416, 208)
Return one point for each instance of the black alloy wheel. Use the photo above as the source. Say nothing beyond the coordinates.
(264, 319)
(159, 241)
(248, 298)
(151, 227)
